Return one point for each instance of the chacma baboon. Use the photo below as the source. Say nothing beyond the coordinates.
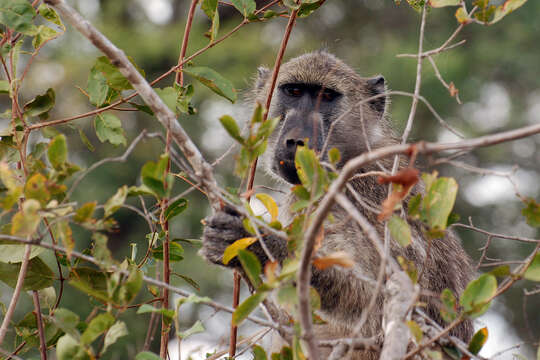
(317, 97)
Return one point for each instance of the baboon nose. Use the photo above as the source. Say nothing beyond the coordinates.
(292, 143)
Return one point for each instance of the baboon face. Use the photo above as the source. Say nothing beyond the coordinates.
(307, 109)
(319, 99)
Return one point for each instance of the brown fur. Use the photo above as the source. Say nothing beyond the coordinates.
(443, 263)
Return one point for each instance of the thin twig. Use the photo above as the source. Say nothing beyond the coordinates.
(180, 75)
(41, 331)
(121, 158)
(16, 292)
(251, 178)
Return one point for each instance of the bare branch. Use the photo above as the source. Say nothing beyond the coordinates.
(16, 292)
(401, 295)
(39, 321)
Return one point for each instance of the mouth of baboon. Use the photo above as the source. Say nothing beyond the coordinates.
(286, 169)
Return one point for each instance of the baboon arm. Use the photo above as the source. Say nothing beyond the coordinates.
(224, 228)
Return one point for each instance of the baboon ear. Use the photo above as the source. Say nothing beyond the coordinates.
(262, 75)
(377, 85)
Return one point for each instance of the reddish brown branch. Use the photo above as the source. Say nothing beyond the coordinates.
(180, 75)
(41, 331)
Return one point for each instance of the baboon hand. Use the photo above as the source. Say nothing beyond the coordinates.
(221, 230)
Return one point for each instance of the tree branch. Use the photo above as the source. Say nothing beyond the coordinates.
(167, 118)
(16, 292)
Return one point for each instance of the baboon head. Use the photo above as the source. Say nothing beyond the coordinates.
(321, 100)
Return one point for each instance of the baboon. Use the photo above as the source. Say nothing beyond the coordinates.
(316, 97)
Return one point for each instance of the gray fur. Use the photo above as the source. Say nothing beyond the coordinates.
(343, 294)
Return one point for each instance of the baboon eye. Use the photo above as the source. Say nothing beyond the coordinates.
(329, 95)
(293, 90)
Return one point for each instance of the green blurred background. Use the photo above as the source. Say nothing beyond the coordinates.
(496, 72)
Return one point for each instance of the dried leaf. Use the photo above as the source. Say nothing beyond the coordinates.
(339, 258)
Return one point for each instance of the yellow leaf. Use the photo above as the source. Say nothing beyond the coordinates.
(269, 204)
(232, 250)
(462, 16)
(339, 258)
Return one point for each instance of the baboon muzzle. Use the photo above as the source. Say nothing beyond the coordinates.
(299, 129)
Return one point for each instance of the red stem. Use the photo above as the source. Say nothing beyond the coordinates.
(180, 75)
(41, 331)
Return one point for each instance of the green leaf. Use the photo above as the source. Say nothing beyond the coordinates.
(506, 8)
(169, 96)
(439, 201)
(478, 294)
(4, 87)
(270, 205)
(448, 308)
(258, 353)
(113, 76)
(57, 152)
(97, 87)
(90, 281)
(175, 208)
(68, 348)
(232, 128)
(334, 155)
(96, 327)
(442, 3)
(176, 252)
(246, 7)
(308, 8)
(478, 340)
(85, 140)
(462, 16)
(194, 329)
(247, 306)
(36, 188)
(183, 101)
(267, 127)
(251, 266)
(210, 8)
(116, 201)
(415, 330)
(26, 221)
(153, 175)
(109, 128)
(501, 271)
(100, 250)
(400, 230)
(193, 299)
(85, 212)
(40, 104)
(38, 275)
(532, 212)
(50, 14)
(27, 329)
(310, 172)
(147, 355)
(131, 287)
(18, 15)
(232, 250)
(115, 332)
(14, 252)
(292, 4)
(43, 34)
(67, 320)
(213, 81)
(146, 308)
(533, 271)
